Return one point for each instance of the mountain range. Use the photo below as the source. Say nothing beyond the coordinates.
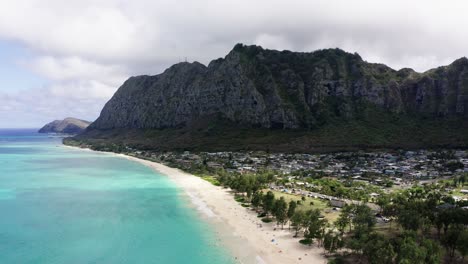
(260, 99)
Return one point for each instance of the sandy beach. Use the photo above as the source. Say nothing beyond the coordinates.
(238, 226)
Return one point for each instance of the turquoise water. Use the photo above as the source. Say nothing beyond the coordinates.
(64, 205)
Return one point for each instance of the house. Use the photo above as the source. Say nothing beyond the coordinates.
(215, 165)
(337, 203)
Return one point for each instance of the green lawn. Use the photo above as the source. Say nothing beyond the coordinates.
(323, 206)
(389, 229)
(457, 192)
(209, 178)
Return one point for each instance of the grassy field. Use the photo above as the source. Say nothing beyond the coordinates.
(308, 204)
(457, 192)
(210, 179)
(392, 229)
(311, 203)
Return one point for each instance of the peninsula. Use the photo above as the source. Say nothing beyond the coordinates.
(68, 125)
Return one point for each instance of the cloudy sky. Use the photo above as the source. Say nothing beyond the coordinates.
(66, 58)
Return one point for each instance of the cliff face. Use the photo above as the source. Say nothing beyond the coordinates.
(271, 89)
(67, 126)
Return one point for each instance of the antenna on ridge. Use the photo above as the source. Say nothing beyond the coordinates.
(185, 59)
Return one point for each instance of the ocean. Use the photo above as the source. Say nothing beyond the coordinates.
(66, 205)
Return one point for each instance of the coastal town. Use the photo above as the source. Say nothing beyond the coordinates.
(407, 165)
(377, 195)
(364, 175)
(385, 169)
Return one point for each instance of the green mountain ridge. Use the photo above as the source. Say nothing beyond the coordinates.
(287, 101)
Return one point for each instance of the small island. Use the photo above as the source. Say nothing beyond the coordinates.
(68, 125)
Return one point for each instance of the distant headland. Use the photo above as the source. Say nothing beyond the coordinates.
(68, 125)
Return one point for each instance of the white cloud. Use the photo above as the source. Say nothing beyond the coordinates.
(76, 68)
(278, 42)
(81, 90)
(89, 47)
(33, 108)
(160, 32)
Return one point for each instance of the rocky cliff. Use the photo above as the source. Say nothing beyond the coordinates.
(266, 89)
(67, 126)
(273, 89)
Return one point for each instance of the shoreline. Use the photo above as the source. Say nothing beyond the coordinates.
(236, 226)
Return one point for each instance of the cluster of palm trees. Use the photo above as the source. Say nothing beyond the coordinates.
(417, 210)
(309, 223)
